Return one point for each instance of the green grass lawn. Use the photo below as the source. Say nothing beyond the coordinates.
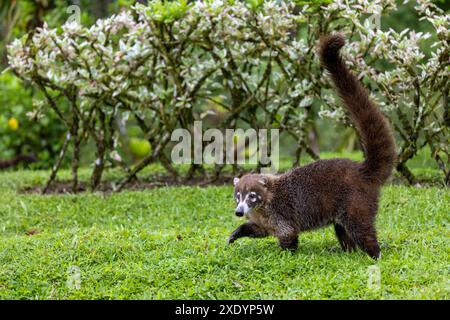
(170, 243)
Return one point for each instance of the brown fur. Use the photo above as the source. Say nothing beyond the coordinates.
(337, 191)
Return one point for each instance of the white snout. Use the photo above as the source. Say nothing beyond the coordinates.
(243, 207)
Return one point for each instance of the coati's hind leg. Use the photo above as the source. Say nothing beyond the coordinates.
(248, 229)
(344, 239)
(366, 239)
(360, 226)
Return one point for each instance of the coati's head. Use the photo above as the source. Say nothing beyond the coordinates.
(251, 192)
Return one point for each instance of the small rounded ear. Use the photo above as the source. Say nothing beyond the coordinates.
(235, 180)
(264, 180)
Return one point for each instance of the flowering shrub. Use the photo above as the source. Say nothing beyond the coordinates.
(163, 65)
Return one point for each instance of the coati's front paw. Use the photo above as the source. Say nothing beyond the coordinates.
(231, 239)
(290, 248)
(289, 243)
(236, 234)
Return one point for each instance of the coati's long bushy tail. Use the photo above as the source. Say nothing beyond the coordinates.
(374, 130)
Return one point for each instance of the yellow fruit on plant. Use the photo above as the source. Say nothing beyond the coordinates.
(13, 124)
(140, 147)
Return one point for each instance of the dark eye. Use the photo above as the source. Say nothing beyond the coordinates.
(252, 196)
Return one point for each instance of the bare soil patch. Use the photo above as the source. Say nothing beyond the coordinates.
(65, 187)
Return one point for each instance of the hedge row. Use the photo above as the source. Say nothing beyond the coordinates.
(252, 64)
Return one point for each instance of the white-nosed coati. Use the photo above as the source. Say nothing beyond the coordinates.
(337, 191)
